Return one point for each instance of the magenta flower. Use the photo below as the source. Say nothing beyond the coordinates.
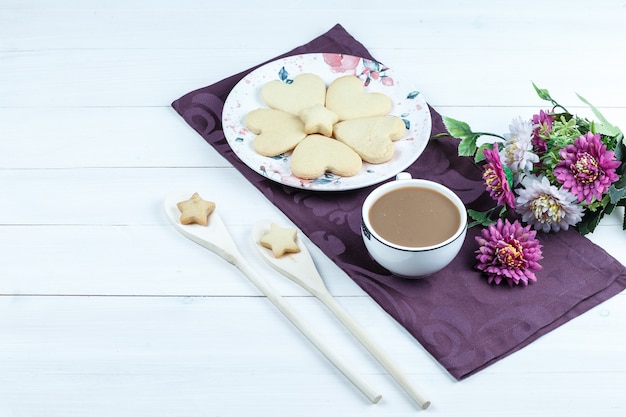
(587, 169)
(508, 252)
(496, 179)
(542, 123)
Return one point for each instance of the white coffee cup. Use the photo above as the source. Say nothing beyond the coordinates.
(412, 261)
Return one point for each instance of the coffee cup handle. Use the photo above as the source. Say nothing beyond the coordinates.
(403, 176)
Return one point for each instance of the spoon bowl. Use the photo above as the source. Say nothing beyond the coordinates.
(299, 266)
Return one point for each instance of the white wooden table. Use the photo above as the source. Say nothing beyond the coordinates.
(105, 310)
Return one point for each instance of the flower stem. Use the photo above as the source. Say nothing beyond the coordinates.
(490, 134)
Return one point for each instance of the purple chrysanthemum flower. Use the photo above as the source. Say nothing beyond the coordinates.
(496, 180)
(587, 169)
(542, 123)
(546, 207)
(510, 252)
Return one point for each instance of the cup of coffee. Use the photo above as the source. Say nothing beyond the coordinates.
(413, 227)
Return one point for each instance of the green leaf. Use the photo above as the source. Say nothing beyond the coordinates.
(616, 194)
(461, 130)
(457, 128)
(480, 156)
(589, 222)
(481, 218)
(542, 93)
(620, 146)
(509, 175)
(467, 146)
(605, 128)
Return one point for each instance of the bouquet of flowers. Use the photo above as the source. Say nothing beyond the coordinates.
(554, 171)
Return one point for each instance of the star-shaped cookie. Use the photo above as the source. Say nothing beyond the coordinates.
(318, 119)
(280, 240)
(195, 210)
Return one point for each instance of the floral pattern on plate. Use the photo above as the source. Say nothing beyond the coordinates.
(407, 103)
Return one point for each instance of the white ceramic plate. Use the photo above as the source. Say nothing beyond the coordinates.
(408, 104)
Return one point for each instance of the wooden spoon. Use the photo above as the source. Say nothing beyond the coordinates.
(216, 238)
(299, 267)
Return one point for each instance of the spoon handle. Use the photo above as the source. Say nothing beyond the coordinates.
(307, 330)
(384, 359)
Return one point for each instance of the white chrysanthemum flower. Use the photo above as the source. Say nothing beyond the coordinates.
(517, 153)
(522, 128)
(547, 207)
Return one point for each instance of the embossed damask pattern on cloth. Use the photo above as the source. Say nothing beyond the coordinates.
(463, 322)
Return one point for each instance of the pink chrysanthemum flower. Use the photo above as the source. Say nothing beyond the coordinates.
(508, 252)
(496, 180)
(546, 207)
(587, 169)
(542, 123)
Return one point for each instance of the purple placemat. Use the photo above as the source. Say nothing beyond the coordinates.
(463, 322)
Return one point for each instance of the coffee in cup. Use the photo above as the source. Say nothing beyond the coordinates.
(413, 227)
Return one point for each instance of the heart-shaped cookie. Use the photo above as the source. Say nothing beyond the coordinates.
(371, 137)
(346, 97)
(305, 91)
(318, 154)
(277, 131)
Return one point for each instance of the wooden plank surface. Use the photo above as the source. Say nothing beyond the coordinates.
(105, 310)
